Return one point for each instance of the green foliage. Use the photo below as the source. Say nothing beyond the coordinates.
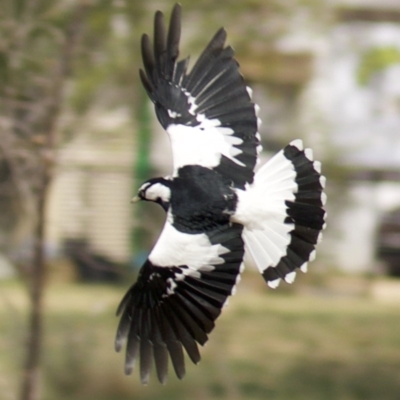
(376, 60)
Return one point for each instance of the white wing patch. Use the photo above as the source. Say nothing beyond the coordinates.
(175, 248)
(203, 144)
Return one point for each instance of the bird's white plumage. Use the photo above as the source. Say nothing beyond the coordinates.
(173, 114)
(274, 284)
(297, 143)
(157, 190)
(265, 247)
(290, 277)
(317, 166)
(262, 210)
(277, 170)
(203, 144)
(263, 202)
(175, 248)
(304, 268)
(249, 91)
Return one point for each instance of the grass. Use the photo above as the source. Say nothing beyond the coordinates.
(275, 345)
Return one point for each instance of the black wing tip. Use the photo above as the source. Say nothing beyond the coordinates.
(174, 33)
(158, 15)
(147, 57)
(180, 372)
(175, 9)
(159, 58)
(159, 35)
(118, 345)
(146, 82)
(145, 41)
(176, 12)
(179, 323)
(175, 20)
(145, 347)
(221, 34)
(128, 369)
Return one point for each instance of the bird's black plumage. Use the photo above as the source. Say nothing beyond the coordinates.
(218, 209)
(201, 199)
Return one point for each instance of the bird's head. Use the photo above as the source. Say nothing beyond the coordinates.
(157, 190)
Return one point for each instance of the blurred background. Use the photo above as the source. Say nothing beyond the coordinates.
(78, 136)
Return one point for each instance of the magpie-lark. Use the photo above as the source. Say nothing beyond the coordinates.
(220, 213)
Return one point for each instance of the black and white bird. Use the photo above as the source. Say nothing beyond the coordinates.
(219, 210)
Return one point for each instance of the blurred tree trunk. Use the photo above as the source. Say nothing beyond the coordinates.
(30, 377)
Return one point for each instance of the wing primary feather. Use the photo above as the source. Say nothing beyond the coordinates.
(160, 351)
(159, 41)
(177, 358)
(146, 357)
(200, 310)
(147, 56)
(146, 83)
(171, 340)
(161, 361)
(174, 35)
(183, 327)
(122, 331)
(124, 302)
(187, 319)
(180, 70)
(204, 64)
(146, 347)
(132, 351)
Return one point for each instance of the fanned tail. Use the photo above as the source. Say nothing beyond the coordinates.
(287, 197)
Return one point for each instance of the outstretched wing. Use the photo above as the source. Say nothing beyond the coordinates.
(207, 112)
(179, 293)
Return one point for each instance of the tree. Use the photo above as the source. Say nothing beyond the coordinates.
(35, 61)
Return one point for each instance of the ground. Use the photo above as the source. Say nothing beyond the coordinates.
(315, 341)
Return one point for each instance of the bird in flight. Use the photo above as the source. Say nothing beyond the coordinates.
(220, 213)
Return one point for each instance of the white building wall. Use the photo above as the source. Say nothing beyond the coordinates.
(65, 213)
(94, 205)
(109, 224)
(91, 192)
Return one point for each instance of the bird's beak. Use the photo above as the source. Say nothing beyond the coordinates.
(136, 199)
